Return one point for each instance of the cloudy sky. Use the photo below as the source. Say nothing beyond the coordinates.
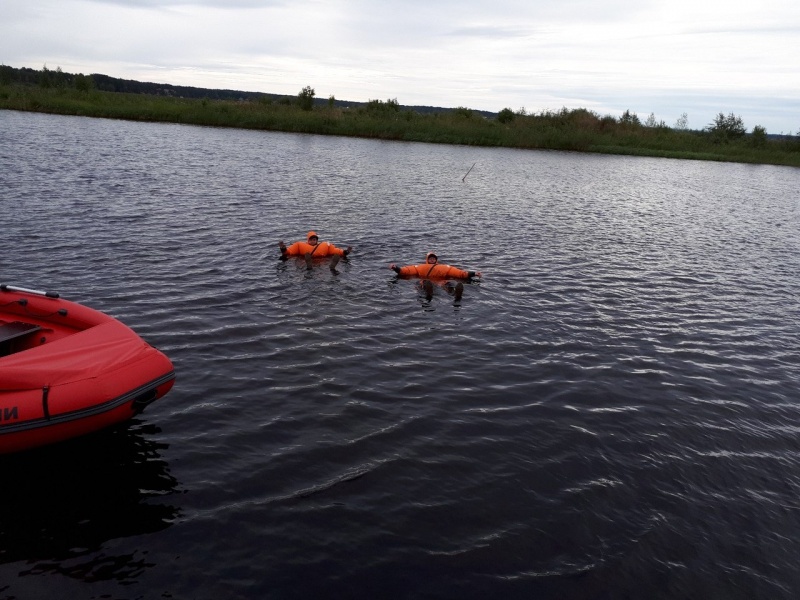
(667, 57)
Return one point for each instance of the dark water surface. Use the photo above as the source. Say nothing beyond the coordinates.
(611, 412)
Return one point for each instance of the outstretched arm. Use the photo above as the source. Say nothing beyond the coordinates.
(328, 249)
(456, 273)
(407, 271)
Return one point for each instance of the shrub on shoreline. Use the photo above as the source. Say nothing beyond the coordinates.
(574, 130)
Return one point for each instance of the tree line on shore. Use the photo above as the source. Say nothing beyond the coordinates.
(725, 138)
(56, 78)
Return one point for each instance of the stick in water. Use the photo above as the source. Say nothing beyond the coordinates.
(470, 169)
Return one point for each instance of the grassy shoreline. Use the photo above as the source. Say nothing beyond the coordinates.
(574, 130)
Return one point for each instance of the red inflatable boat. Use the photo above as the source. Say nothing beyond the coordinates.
(67, 370)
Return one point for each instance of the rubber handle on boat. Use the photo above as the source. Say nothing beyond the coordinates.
(11, 288)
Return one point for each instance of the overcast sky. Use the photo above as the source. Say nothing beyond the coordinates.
(667, 57)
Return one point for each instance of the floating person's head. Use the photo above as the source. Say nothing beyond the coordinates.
(431, 258)
(312, 238)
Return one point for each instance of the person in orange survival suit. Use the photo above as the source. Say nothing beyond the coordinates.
(313, 248)
(432, 269)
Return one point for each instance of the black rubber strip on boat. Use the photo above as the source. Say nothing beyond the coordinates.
(45, 408)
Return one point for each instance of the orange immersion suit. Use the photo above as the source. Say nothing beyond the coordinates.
(433, 271)
(319, 249)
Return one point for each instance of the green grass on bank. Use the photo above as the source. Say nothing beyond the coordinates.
(574, 130)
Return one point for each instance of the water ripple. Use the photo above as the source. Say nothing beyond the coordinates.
(611, 407)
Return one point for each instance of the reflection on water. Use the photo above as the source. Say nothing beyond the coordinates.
(435, 294)
(67, 500)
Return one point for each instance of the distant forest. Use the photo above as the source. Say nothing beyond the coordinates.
(57, 78)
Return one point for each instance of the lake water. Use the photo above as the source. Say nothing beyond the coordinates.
(611, 411)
